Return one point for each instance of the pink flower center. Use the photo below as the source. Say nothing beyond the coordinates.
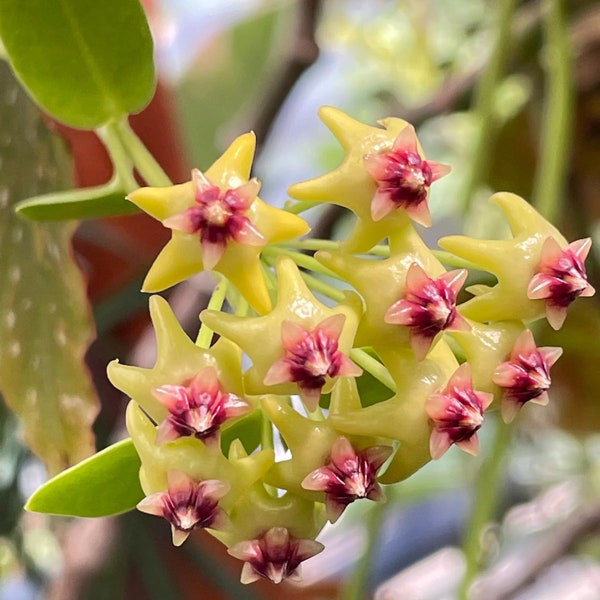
(406, 177)
(197, 409)
(313, 358)
(276, 555)
(188, 504)
(218, 216)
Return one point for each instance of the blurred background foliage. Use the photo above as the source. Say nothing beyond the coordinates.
(506, 92)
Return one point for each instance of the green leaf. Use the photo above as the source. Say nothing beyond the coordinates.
(86, 203)
(104, 484)
(85, 62)
(45, 317)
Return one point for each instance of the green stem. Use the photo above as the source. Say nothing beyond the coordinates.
(302, 260)
(123, 174)
(555, 140)
(142, 158)
(447, 258)
(484, 102)
(373, 366)
(356, 585)
(310, 244)
(216, 301)
(317, 285)
(314, 244)
(485, 502)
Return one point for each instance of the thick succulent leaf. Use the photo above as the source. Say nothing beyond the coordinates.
(45, 319)
(86, 203)
(84, 62)
(104, 484)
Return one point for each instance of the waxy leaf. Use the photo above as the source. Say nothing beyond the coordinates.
(45, 318)
(84, 62)
(86, 203)
(104, 484)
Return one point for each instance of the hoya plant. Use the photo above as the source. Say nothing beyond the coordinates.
(365, 357)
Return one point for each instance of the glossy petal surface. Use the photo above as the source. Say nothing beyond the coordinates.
(403, 178)
(457, 414)
(349, 475)
(262, 338)
(381, 283)
(514, 262)
(276, 555)
(429, 307)
(350, 184)
(526, 375)
(232, 249)
(561, 278)
(311, 356)
(188, 504)
(183, 372)
(197, 408)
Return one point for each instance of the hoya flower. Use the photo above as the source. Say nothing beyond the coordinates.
(218, 222)
(403, 178)
(188, 505)
(348, 476)
(428, 307)
(218, 216)
(457, 414)
(512, 261)
(276, 555)
(310, 357)
(526, 375)
(382, 282)
(561, 278)
(402, 416)
(190, 391)
(197, 409)
(297, 347)
(393, 175)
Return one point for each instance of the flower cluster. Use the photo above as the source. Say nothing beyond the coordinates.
(310, 325)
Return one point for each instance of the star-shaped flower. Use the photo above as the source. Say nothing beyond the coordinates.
(428, 307)
(275, 555)
(403, 178)
(296, 324)
(188, 504)
(348, 476)
(198, 408)
(190, 390)
(218, 217)
(514, 262)
(309, 441)
(382, 166)
(383, 282)
(219, 223)
(311, 356)
(525, 377)
(403, 416)
(561, 278)
(457, 414)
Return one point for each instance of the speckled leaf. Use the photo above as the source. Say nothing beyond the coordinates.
(45, 320)
(85, 62)
(102, 485)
